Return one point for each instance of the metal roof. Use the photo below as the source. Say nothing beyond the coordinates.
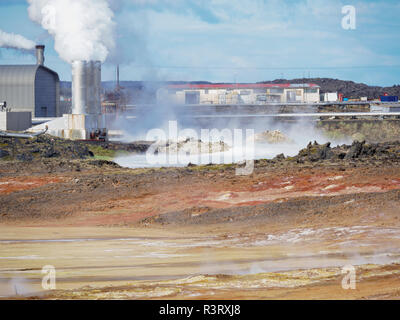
(20, 74)
(240, 86)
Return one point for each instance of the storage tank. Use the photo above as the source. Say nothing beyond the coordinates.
(79, 87)
(97, 87)
(86, 87)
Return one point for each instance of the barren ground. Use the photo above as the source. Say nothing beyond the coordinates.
(283, 232)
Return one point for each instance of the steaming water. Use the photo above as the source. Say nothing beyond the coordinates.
(101, 260)
(299, 133)
(235, 155)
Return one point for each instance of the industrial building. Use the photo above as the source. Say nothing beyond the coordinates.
(248, 94)
(31, 88)
(86, 120)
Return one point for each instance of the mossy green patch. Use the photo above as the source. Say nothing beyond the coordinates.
(212, 167)
(101, 153)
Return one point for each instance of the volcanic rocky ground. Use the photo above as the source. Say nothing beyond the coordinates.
(284, 231)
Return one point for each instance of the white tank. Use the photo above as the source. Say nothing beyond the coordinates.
(90, 98)
(79, 87)
(97, 87)
(86, 87)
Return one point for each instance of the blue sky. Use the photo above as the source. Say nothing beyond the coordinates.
(242, 40)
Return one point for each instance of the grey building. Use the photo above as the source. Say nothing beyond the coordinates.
(33, 88)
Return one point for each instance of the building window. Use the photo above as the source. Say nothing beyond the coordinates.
(245, 92)
(264, 91)
(206, 91)
(276, 90)
(311, 90)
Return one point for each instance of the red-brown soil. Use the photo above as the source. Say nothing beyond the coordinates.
(198, 221)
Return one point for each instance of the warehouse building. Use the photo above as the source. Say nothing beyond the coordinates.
(250, 94)
(32, 88)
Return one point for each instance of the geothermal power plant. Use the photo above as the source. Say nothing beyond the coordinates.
(30, 94)
(30, 100)
(85, 122)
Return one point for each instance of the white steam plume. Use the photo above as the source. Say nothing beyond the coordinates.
(82, 29)
(15, 41)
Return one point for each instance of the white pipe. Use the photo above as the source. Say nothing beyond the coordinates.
(79, 87)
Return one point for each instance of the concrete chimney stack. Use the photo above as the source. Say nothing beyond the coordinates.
(40, 55)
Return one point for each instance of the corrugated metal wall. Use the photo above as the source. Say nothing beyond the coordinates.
(17, 87)
(45, 94)
(30, 88)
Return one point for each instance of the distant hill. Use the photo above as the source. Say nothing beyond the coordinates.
(350, 89)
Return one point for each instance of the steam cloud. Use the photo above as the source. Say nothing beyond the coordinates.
(15, 41)
(82, 29)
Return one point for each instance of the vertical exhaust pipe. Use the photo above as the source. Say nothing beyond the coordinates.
(79, 88)
(86, 87)
(97, 87)
(40, 55)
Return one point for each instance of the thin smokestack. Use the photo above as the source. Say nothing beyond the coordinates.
(40, 55)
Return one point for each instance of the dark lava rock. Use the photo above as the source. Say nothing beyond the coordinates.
(79, 151)
(361, 149)
(315, 152)
(280, 157)
(50, 153)
(24, 157)
(325, 152)
(358, 150)
(101, 163)
(3, 153)
(355, 150)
